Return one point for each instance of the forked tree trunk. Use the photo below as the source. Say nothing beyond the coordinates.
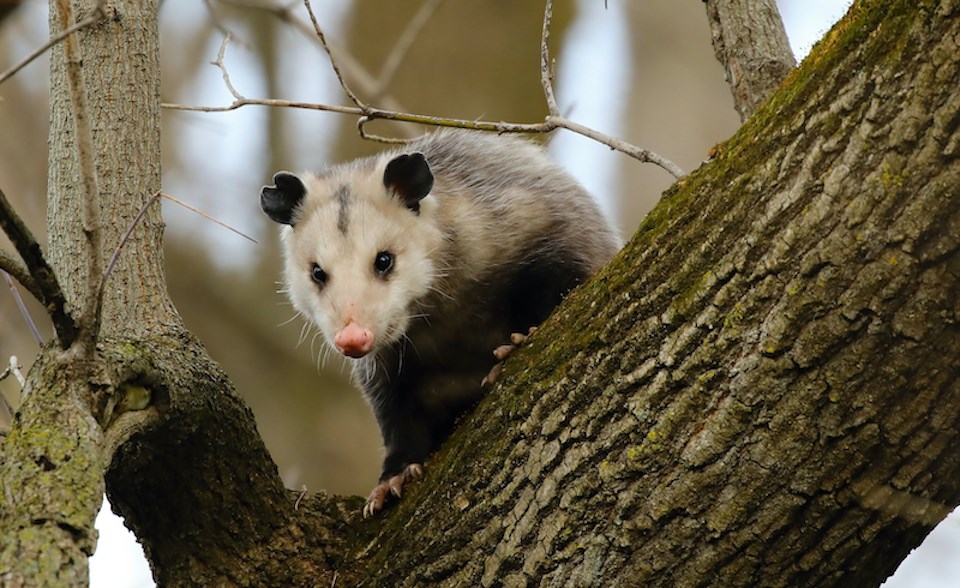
(760, 390)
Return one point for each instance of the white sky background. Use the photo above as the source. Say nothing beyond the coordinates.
(119, 562)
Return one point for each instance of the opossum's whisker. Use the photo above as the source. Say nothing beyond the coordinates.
(304, 331)
(289, 320)
(412, 344)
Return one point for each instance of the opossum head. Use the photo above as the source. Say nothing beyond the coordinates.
(360, 243)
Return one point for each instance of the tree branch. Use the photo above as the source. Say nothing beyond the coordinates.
(96, 16)
(367, 113)
(21, 274)
(366, 82)
(750, 42)
(546, 69)
(46, 288)
(90, 210)
(333, 62)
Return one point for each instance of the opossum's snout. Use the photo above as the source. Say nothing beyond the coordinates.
(353, 340)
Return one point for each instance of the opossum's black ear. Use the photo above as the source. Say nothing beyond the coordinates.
(280, 201)
(409, 177)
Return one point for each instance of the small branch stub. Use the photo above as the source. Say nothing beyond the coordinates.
(750, 42)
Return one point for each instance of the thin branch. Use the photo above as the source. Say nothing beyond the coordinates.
(19, 272)
(333, 62)
(546, 71)
(96, 16)
(263, 102)
(366, 113)
(90, 206)
(223, 69)
(6, 411)
(361, 124)
(402, 47)
(23, 308)
(633, 151)
(123, 241)
(14, 367)
(208, 217)
(51, 296)
(550, 124)
(358, 74)
(136, 221)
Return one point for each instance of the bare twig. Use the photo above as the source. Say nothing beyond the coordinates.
(223, 69)
(23, 308)
(13, 369)
(123, 241)
(358, 74)
(633, 151)
(366, 113)
(50, 294)
(303, 492)
(241, 102)
(333, 62)
(361, 123)
(403, 45)
(96, 16)
(208, 217)
(90, 207)
(139, 217)
(6, 411)
(548, 125)
(546, 69)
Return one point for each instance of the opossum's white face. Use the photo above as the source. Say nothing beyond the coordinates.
(359, 257)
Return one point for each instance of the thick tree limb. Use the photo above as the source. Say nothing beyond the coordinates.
(751, 43)
(748, 395)
(21, 274)
(44, 284)
(52, 470)
(187, 438)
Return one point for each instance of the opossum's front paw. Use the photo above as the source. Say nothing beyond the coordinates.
(392, 485)
(503, 352)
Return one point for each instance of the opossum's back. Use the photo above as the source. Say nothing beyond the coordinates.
(521, 200)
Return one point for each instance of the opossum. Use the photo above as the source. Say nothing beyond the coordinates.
(417, 263)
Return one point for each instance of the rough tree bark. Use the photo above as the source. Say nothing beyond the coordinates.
(751, 43)
(761, 389)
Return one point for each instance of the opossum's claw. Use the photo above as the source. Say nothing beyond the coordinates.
(502, 353)
(392, 485)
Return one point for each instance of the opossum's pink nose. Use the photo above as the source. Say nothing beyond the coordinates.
(353, 340)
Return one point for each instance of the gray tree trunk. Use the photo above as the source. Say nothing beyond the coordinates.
(760, 390)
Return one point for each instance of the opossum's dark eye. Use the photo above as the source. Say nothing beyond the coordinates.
(319, 276)
(383, 263)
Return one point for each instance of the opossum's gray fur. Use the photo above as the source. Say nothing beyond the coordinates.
(502, 236)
